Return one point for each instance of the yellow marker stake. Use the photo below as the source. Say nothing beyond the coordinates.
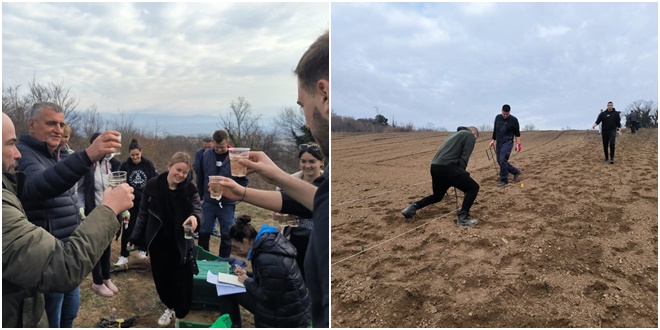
(522, 185)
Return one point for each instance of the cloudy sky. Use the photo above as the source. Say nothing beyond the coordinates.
(163, 60)
(451, 64)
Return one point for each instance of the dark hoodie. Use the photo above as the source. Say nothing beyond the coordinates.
(281, 297)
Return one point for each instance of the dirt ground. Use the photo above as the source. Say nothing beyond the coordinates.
(137, 295)
(576, 246)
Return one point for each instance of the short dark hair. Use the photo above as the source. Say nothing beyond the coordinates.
(314, 64)
(242, 229)
(610, 102)
(220, 135)
(207, 140)
(506, 108)
(316, 153)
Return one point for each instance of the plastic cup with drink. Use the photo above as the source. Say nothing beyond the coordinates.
(215, 188)
(235, 154)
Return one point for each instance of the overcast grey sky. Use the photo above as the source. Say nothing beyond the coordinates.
(163, 59)
(451, 64)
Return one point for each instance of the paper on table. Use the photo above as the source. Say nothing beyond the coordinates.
(222, 288)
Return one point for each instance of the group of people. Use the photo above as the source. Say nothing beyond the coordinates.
(448, 166)
(48, 249)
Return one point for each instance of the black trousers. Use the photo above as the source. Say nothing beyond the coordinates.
(609, 139)
(126, 232)
(101, 270)
(445, 177)
(173, 282)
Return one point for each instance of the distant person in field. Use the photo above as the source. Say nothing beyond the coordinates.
(448, 170)
(169, 202)
(505, 129)
(139, 170)
(634, 121)
(611, 120)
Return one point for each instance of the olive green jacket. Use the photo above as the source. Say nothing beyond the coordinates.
(35, 262)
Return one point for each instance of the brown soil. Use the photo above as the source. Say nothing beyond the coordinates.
(137, 295)
(576, 246)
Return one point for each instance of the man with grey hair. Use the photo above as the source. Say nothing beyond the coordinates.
(48, 192)
(34, 261)
(448, 170)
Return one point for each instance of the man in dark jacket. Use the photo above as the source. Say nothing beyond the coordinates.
(207, 143)
(611, 120)
(33, 261)
(48, 193)
(634, 121)
(215, 161)
(506, 127)
(448, 170)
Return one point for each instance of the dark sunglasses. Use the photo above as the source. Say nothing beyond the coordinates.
(306, 147)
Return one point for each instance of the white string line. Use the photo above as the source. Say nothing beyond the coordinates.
(382, 193)
(389, 239)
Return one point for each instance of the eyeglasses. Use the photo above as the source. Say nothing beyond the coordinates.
(306, 147)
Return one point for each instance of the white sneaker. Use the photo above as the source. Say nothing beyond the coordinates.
(166, 318)
(142, 254)
(121, 261)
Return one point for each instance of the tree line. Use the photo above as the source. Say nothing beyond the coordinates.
(245, 128)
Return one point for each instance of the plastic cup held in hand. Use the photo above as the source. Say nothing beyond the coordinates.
(187, 231)
(235, 154)
(116, 178)
(215, 188)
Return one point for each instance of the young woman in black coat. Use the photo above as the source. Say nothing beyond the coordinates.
(281, 299)
(170, 201)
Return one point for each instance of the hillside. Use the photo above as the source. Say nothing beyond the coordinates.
(576, 246)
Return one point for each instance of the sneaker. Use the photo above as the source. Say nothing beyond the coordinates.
(463, 219)
(122, 261)
(612, 161)
(502, 184)
(516, 176)
(142, 254)
(102, 290)
(409, 212)
(108, 284)
(166, 318)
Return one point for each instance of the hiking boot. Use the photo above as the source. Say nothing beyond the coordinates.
(516, 176)
(102, 290)
(108, 284)
(142, 254)
(409, 212)
(122, 261)
(463, 219)
(166, 318)
(612, 161)
(502, 184)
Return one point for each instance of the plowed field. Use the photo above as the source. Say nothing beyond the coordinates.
(576, 246)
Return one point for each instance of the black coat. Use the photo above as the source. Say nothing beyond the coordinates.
(137, 175)
(151, 213)
(282, 299)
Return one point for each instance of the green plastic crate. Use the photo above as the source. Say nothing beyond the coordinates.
(186, 324)
(205, 296)
(205, 255)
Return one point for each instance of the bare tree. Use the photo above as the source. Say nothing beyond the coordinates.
(58, 94)
(91, 122)
(291, 122)
(529, 127)
(241, 124)
(647, 113)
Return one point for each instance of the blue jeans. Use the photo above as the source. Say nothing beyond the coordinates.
(62, 308)
(225, 216)
(503, 151)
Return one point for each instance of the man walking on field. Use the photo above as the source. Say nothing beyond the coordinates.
(506, 127)
(448, 170)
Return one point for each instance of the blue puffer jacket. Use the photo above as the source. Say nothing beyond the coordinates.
(49, 196)
(207, 167)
